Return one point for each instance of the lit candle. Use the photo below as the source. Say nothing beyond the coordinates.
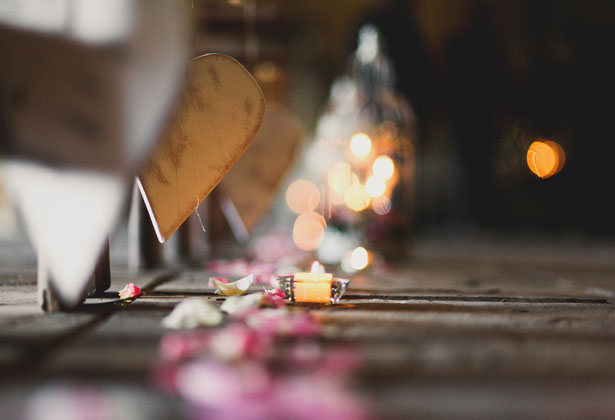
(317, 273)
(314, 286)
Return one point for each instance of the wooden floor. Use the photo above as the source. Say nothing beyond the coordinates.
(463, 330)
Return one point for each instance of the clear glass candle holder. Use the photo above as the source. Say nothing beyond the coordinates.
(313, 291)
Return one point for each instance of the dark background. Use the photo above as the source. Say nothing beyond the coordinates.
(486, 78)
(506, 74)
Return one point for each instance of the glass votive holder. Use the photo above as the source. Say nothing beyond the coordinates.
(313, 291)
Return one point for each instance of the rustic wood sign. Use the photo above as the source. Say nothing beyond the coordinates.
(221, 112)
(85, 88)
(253, 182)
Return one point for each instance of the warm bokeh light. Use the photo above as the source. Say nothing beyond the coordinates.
(340, 177)
(383, 167)
(542, 159)
(356, 197)
(359, 258)
(375, 186)
(309, 230)
(267, 72)
(381, 205)
(360, 144)
(302, 196)
(561, 155)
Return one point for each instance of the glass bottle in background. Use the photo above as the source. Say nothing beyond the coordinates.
(388, 169)
(363, 159)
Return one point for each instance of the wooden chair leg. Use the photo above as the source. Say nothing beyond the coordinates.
(47, 298)
(101, 281)
(101, 278)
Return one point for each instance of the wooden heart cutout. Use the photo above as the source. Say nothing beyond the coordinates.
(253, 182)
(220, 113)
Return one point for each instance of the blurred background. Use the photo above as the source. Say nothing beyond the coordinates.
(465, 126)
(482, 81)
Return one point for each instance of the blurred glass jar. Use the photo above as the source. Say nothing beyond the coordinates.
(367, 155)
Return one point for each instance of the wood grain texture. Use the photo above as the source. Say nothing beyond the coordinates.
(254, 180)
(221, 112)
(506, 333)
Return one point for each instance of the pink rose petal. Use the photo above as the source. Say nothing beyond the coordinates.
(275, 292)
(314, 397)
(223, 386)
(129, 291)
(237, 342)
(164, 377)
(175, 347)
(298, 325)
(273, 299)
(264, 272)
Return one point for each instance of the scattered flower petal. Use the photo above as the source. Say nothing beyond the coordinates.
(273, 298)
(275, 292)
(208, 383)
(130, 291)
(314, 397)
(219, 279)
(239, 342)
(264, 272)
(164, 376)
(192, 313)
(225, 387)
(175, 347)
(236, 288)
(299, 325)
(249, 391)
(225, 373)
(237, 304)
(283, 323)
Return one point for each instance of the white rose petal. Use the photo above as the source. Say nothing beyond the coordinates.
(192, 313)
(235, 304)
(236, 288)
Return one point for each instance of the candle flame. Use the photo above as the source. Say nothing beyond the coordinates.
(317, 267)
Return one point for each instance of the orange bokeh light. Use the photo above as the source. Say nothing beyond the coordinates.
(561, 155)
(302, 196)
(309, 230)
(545, 159)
